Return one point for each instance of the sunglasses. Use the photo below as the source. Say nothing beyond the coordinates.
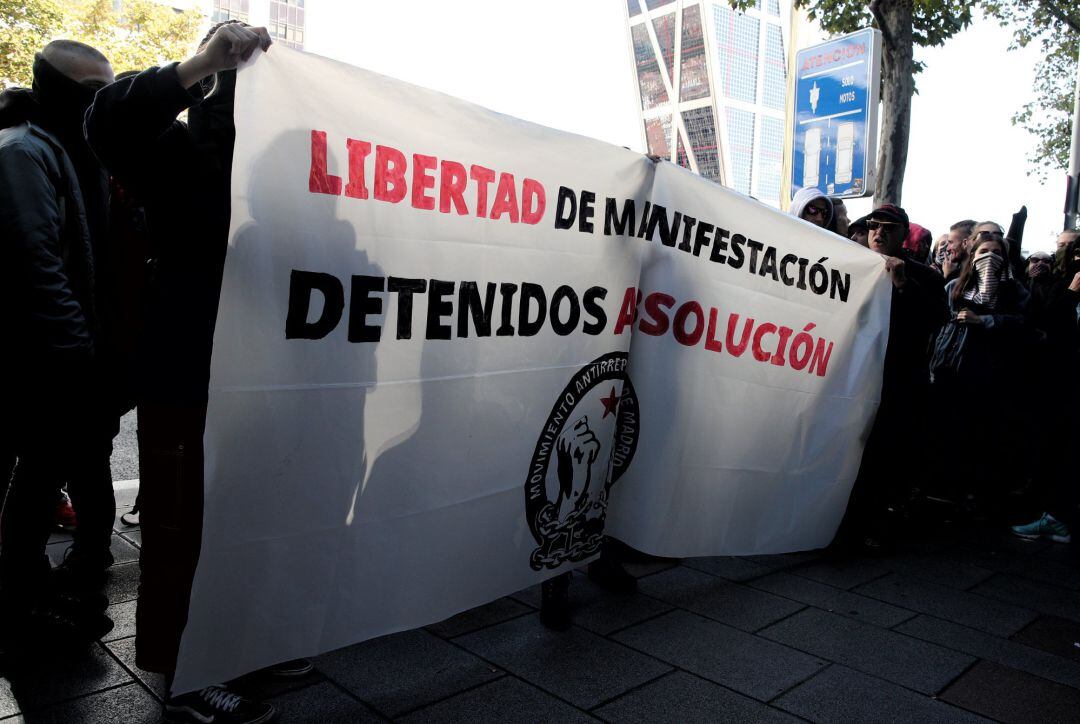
(985, 234)
(883, 225)
(816, 211)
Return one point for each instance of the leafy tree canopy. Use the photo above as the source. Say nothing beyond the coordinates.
(138, 34)
(1055, 28)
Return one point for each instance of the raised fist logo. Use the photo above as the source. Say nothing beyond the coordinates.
(564, 505)
(576, 449)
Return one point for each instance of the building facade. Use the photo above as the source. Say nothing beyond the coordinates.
(284, 19)
(726, 120)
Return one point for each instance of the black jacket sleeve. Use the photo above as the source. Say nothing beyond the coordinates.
(129, 116)
(30, 229)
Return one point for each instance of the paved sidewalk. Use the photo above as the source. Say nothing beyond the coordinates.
(954, 629)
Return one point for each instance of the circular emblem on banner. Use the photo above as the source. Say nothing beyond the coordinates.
(586, 444)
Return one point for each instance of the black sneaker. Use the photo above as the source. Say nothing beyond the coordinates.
(216, 705)
(290, 669)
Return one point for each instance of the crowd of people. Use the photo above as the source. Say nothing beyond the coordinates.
(977, 408)
(114, 218)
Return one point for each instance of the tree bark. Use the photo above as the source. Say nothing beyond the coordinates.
(894, 19)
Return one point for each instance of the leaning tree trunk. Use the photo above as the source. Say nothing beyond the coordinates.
(894, 19)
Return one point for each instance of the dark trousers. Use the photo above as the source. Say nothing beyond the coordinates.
(57, 438)
(170, 516)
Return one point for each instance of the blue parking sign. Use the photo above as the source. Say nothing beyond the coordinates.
(835, 121)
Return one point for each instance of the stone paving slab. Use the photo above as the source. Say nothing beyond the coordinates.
(688, 699)
(834, 600)
(602, 612)
(918, 665)
(1055, 635)
(321, 703)
(124, 651)
(742, 662)
(123, 583)
(505, 700)
(598, 610)
(993, 648)
(846, 574)
(733, 569)
(123, 551)
(783, 561)
(497, 611)
(30, 687)
(1024, 592)
(1048, 571)
(747, 568)
(1068, 554)
(938, 569)
(123, 618)
(575, 665)
(127, 704)
(404, 671)
(821, 638)
(640, 569)
(840, 694)
(730, 603)
(1009, 695)
(133, 536)
(969, 609)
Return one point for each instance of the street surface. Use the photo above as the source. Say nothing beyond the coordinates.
(958, 626)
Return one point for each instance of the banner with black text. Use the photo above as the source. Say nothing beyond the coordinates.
(455, 349)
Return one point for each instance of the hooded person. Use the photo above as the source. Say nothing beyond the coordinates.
(180, 173)
(53, 219)
(840, 223)
(917, 242)
(810, 204)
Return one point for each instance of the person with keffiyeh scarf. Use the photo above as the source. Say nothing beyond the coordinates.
(988, 328)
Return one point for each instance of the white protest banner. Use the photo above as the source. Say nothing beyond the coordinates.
(450, 343)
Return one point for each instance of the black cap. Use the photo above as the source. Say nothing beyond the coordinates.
(889, 212)
(859, 224)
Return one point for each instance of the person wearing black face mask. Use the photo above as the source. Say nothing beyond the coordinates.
(181, 174)
(53, 220)
(975, 358)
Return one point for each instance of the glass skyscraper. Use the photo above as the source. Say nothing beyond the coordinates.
(712, 86)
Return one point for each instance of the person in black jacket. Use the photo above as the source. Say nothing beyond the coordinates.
(53, 209)
(991, 339)
(918, 310)
(1057, 474)
(181, 175)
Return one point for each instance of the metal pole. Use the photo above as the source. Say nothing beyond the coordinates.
(1073, 183)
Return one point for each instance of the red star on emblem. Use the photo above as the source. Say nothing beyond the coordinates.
(611, 403)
